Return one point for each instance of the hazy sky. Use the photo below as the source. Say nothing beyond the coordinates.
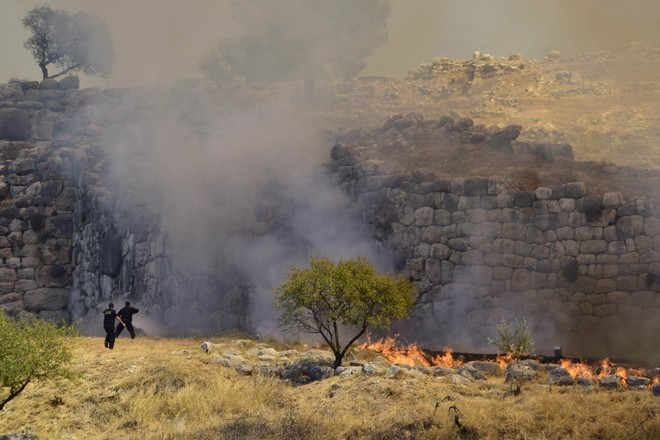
(162, 40)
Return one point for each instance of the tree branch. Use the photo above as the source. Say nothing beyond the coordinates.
(13, 393)
(68, 69)
(356, 337)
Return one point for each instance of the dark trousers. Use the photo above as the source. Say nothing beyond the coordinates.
(109, 336)
(129, 326)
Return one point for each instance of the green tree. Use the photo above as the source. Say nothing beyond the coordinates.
(299, 39)
(31, 352)
(73, 42)
(328, 296)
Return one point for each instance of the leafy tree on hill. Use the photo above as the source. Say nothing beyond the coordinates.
(327, 296)
(299, 39)
(73, 42)
(31, 352)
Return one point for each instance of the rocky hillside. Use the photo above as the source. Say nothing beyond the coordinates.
(604, 104)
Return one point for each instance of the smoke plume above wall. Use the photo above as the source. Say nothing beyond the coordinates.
(159, 42)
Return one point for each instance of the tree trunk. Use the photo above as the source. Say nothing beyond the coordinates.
(337, 362)
(44, 70)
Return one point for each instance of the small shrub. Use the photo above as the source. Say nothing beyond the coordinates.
(516, 343)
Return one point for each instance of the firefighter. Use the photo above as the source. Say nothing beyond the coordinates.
(126, 315)
(109, 316)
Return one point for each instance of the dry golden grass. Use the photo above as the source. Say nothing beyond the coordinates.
(169, 389)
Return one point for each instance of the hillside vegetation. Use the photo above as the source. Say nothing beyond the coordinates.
(171, 389)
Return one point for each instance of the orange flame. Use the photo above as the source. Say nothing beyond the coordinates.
(410, 354)
(413, 356)
(504, 360)
(623, 376)
(446, 359)
(576, 370)
(605, 368)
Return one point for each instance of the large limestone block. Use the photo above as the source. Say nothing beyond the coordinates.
(70, 83)
(49, 84)
(56, 251)
(53, 276)
(7, 275)
(60, 226)
(630, 226)
(46, 299)
(44, 123)
(14, 124)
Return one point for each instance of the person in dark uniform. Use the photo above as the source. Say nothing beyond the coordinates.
(109, 316)
(126, 315)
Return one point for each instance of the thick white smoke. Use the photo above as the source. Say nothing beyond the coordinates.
(242, 189)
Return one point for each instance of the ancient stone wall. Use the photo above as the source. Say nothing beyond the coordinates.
(583, 269)
(71, 239)
(38, 194)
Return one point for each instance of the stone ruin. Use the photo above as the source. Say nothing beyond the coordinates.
(71, 240)
(583, 267)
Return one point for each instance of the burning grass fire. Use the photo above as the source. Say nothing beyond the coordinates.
(410, 354)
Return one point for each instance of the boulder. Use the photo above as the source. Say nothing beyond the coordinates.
(244, 368)
(306, 371)
(46, 299)
(369, 369)
(14, 124)
(70, 83)
(656, 389)
(49, 84)
(501, 140)
(470, 373)
(44, 123)
(492, 368)
(53, 276)
(60, 226)
(560, 376)
(610, 382)
(637, 383)
(520, 373)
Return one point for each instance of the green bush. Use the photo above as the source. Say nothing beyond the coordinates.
(32, 351)
(516, 343)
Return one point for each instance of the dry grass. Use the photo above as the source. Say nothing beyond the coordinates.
(169, 389)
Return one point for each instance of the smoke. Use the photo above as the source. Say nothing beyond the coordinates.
(161, 41)
(422, 30)
(240, 192)
(220, 177)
